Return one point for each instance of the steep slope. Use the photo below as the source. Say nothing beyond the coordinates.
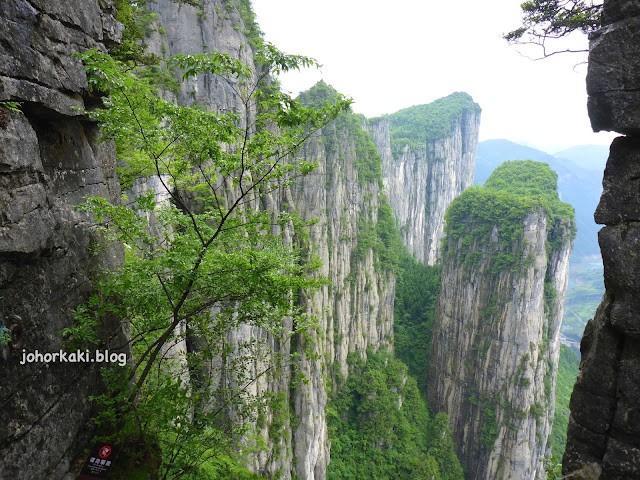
(496, 329)
(50, 158)
(428, 157)
(603, 439)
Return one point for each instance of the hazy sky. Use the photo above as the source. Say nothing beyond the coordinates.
(392, 54)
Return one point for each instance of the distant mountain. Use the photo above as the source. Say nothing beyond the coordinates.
(579, 172)
(590, 157)
(492, 153)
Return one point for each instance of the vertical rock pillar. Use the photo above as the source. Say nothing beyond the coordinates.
(603, 440)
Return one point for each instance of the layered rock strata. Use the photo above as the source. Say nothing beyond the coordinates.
(50, 158)
(603, 440)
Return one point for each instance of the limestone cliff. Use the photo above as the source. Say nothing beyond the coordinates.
(50, 158)
(428, 158)
(355, 311)
(215, 26)
(603, 440)
(496, 329)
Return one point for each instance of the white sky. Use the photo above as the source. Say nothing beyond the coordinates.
(392, 54)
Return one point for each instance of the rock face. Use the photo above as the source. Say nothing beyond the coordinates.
(355, 311)
(496, 337)
(50, 158)
(603, 438)
(421, 179)
(213, 27)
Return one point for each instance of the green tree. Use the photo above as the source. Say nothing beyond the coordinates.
(201, 265)
(544, 20)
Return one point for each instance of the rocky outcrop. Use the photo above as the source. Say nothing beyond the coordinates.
(496, 332)
(422, 178)
(50, 158)
(603, 440)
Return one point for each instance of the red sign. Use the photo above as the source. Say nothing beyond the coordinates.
(99, 463)
(105, 451)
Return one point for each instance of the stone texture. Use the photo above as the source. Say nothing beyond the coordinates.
(604, 427)
(356, 311)
(613, 100)
(50, 158)
(423, 181)
(620, 202)
(494, 349)
(191, 30)
(616, 10)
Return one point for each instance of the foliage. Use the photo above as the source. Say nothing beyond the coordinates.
(417, 289)
(161, 76)
(382, 237)
(5, 108)
(568, 368)
(10, 106)
(525, 178)
(136, 19)
(514, 190)
(5, 335)
(380, 427)
(544, 20)
(389, 247)
(471, 219)
(584, 294)
(535, 179)
(319, 95)
(578, 184)
(223, 467)
(202, 264)
(368, 162)
(489, 433)
(552, 469)
(251, 28)
(420, 124)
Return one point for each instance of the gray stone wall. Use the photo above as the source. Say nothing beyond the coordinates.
(604, 427)
(423, 181)
(50, 158)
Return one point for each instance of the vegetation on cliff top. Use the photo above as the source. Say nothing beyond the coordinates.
(498, 210)
(527, 178)
(348, 125)
(420, 124)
